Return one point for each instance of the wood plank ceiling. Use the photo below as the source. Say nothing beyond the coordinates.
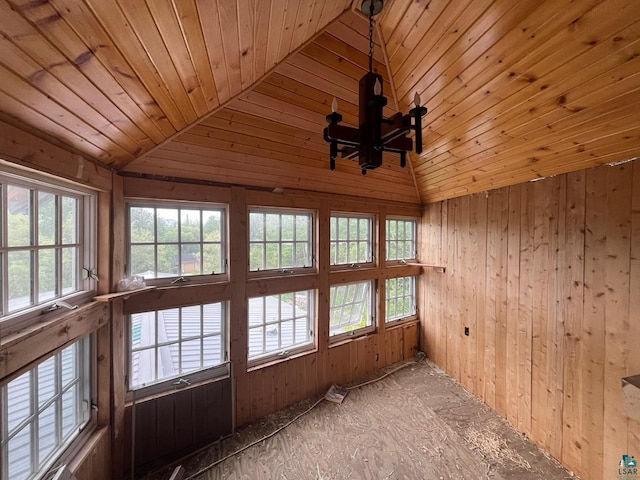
(114, 78)
(515, 90)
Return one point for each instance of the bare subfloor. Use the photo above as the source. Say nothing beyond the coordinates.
(415, 424)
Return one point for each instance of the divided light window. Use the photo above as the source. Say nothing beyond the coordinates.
(401, 239)
(280, 240)
(166, 344)
(351, 239)
(281, 324)
(43, 410)
(173, 241)
(401, 298)
(351, 308)
(45, 233)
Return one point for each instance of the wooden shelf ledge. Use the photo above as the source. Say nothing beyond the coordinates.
(438, 268)
(631, 389)
(126, 294)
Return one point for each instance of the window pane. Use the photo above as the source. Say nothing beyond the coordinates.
(41, 415)
(256, 226)
(69, 220)
(69, 270)
(70, 419)
(190, 230)
(350, 307)
(400, 298)
(47, 220)
(167, 225)
(190, 259)
(19, 221)
(288, 241)
(143, 367)
(212, 258)
(19, 453)
(175, 343)
(46, 381)
(189, 241)
(168, 260)
(401, 239)
(20, 285)
(142, 260)
(69, 364)
(191, 318)
(212, 318)
(351, 239)
(47, 277)
(212, 350)
(283, 315)
(47, 432)
(18, 400)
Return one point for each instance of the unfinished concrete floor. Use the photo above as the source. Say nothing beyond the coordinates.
(415, 424)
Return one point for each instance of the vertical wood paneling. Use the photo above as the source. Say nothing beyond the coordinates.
(617, 341)
(525, 308)
(512, 289)
(561, 310)
(593, 330)
(633, 365)
(572, 305)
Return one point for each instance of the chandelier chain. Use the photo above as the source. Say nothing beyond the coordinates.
(371, 36)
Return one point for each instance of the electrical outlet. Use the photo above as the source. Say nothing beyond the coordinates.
(466, 331)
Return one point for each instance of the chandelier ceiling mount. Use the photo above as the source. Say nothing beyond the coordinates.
(375, 134)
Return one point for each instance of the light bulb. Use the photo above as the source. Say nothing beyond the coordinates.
(416, 99)
(377, 88)
(334, 105)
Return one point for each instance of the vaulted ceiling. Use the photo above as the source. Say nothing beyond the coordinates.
(236, 91)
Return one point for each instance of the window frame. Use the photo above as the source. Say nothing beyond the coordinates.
(404, 318)
(186, 379)
(179, 205)
(401, 261)
(88, 395)
(284, 353)
(286, 271)
(373, 314)
(86, 245)
(373, 247)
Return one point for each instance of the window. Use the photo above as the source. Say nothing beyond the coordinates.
(401, 239)
(351, 239)
(166, 344)
(280, 240)
(45, 241)
(43, 410)
(280, 324)
(401, 298)
(350, 309)
(174, 241)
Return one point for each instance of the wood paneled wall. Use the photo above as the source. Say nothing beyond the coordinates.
(179, 423)
(547, 277)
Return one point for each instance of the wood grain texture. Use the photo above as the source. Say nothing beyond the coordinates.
(272, 135)
(114, 79)
(561, 254)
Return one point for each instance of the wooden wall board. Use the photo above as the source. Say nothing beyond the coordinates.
(633, 365)
(563, 262)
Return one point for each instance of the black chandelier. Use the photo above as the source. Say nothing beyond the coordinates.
(376, 134)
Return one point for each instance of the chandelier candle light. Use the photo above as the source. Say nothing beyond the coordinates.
(376, 134)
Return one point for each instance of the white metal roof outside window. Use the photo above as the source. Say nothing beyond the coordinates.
(44, 410)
